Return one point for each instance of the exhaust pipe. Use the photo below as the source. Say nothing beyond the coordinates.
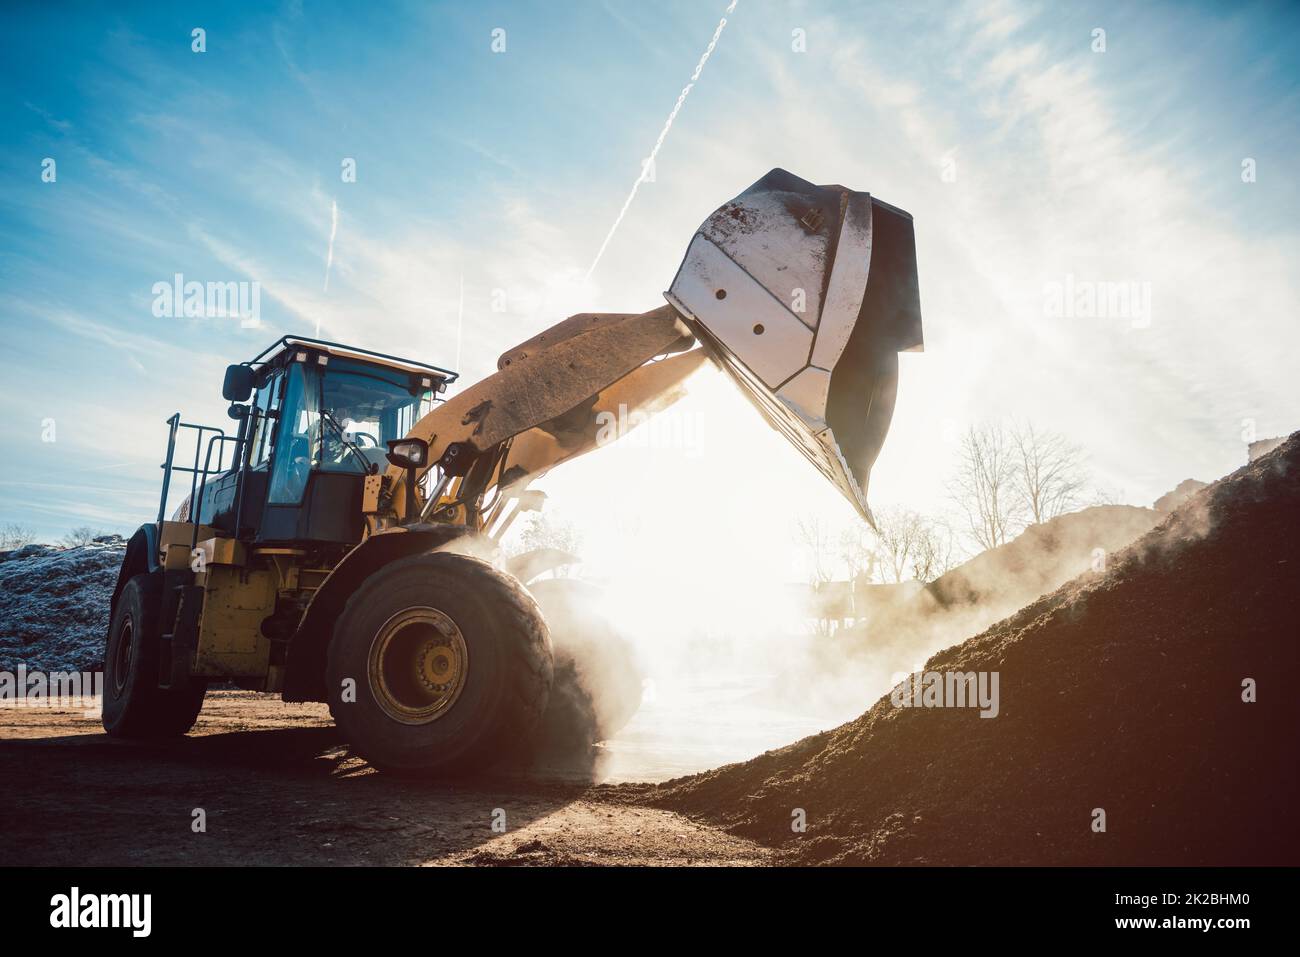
(805, 295)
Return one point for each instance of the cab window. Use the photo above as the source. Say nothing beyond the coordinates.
(267, 401)
(297, 437)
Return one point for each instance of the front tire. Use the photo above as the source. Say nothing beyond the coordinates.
(439, 662)
(134, 705)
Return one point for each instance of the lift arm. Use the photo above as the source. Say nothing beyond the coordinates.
(804, 295)
(550, 388)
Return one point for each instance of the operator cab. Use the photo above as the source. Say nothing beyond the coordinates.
(314, 419)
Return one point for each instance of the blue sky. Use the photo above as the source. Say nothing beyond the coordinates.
(503, 171)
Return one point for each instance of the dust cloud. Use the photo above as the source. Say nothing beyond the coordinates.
(689, 548)
(728, 660)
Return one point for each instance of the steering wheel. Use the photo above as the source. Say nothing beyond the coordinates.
(374, 442)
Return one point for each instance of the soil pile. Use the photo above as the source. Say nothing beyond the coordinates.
(54, 604)
(904, 625)
(1121, 692)
(1039, 560)
(1178, 495)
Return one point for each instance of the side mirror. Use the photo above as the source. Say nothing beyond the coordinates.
(238, 385)
(408, 453)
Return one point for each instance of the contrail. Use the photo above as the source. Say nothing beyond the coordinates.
(329, 256)
(649, 163)
(334, 229)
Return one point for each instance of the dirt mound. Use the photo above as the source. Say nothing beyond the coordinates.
(1119, 693)
(54, 604)
(1040, 559)
(1179, 494)
(904, 626)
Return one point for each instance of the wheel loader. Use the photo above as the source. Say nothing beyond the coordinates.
(337, 544)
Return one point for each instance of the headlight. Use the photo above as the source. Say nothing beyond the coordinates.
(408, 453)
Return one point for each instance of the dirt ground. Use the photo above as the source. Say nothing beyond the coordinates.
(1145, 716)
(277, 786)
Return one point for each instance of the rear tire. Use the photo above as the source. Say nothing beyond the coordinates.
(134, 705)
(449, 665)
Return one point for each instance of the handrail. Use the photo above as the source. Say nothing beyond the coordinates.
(169, 465)
(173, 422)
(196, 502)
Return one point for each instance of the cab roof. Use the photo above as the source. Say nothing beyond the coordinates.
(286, 344)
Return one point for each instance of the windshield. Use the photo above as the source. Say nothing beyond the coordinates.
(363, 408)
(338, 418)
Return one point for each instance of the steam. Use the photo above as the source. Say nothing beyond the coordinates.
(705, 586)
(730, 666)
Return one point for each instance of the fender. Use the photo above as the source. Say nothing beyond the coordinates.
(304, 678)
(141, 556)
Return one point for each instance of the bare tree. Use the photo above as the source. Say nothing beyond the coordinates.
(14, 535)
(811, 532)
(81, 535)
(984, 486)
(935, 551)
(1103, 496)
(542, 530)
(858, 550)
(549, 531)
(1049, 473)
(899, 530)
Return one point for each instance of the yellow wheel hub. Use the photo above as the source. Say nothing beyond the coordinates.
(418, 663)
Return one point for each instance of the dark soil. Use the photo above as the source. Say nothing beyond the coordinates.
(1120, 691)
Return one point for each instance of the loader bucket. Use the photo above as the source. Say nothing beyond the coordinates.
(805, 295)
